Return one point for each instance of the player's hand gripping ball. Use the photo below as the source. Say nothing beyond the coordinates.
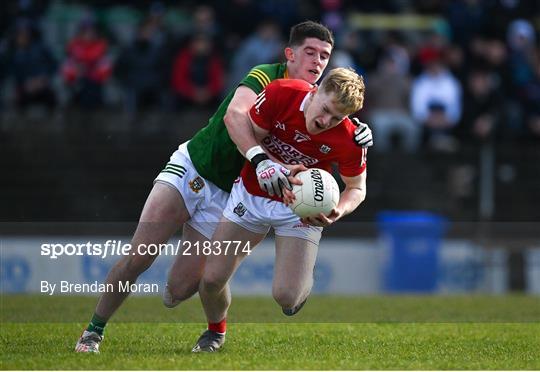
(319, 193)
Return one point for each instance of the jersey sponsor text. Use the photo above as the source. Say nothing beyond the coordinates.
(286, 152)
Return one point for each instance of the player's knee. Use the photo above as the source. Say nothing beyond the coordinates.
(287, 298)
(213, 283)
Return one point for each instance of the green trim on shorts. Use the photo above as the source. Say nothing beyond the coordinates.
(177, 170)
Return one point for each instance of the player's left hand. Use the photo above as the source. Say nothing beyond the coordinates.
(323, 221)
(362, 134)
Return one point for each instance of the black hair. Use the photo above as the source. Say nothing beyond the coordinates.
(304, 30)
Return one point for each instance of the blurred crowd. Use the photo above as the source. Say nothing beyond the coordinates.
(472, 74)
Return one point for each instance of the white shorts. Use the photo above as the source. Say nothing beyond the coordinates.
(204, 200)
(258, 214)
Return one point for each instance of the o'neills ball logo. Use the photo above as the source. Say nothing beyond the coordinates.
(318, 183)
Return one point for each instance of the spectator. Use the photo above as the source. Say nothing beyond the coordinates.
(491, 51)
(532, 106)
(285, 12)
(155, 24)
(239, 18)
(140, 68)
(87, 67)
(466, 18)
(197, 75)
(345, 53)
(436, 100)
(533, 122)
(388, 96)
(522, 64)
(3, 69)
(342, 58)
(263, 46)
(482, 110)
(432, 47)
(332, 15)
(32, 66)
(204, 21)
(503, 12)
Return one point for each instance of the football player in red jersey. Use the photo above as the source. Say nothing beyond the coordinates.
(297, 124)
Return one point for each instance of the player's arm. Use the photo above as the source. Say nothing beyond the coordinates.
(273, 177)
(353, 195)
(237, 120)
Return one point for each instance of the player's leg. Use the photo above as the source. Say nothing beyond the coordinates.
(163, 212)
(240, 222)
(171, 202)
(187, 269)
(296, 251)
(218, 270)
(293, 272)
(186, 272)
(214, 288)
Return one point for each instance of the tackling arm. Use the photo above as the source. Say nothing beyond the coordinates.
(272, 176)
(237, 119)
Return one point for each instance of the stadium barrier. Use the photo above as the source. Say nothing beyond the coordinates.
(344, 266)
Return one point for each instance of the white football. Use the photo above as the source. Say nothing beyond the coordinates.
(319, 193)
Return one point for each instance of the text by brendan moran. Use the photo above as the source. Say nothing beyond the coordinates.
(65, 286)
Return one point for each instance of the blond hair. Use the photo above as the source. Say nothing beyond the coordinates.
(348, 88)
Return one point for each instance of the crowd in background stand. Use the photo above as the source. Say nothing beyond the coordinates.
(473, 77)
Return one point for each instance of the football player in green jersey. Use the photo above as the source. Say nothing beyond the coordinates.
(193, 188)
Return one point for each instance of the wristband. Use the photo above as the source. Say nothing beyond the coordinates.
(255, 150)
(255, 155)
(257, 159)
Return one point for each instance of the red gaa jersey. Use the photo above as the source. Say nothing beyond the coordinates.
(279, 109)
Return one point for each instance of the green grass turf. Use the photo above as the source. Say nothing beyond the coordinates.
(39, 332)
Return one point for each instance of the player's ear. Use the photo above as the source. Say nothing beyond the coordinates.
(289, 54)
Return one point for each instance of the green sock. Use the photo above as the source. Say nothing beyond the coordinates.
(97, 324)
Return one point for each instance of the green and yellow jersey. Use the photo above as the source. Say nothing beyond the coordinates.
(213, 153)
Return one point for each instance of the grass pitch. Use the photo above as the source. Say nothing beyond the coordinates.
(396, 332)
